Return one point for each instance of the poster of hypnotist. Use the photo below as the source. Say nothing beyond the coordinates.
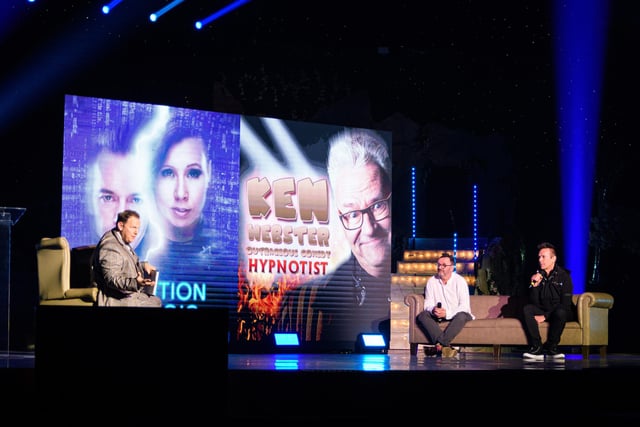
(291, 236)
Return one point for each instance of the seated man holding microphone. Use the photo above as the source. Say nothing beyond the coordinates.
(446, 299)
(550, 295)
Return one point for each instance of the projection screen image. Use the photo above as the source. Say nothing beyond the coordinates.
(285, 224)
(315, 233)
(126, 155)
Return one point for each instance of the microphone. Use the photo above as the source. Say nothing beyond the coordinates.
(439, 305)
(532, 282)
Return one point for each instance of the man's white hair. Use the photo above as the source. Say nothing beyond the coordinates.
(353, 148)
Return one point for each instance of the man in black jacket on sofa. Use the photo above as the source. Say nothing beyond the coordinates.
(550, 295)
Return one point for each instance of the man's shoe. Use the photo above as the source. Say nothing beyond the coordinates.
(534, 353)
(430, 351)
(438, 350)
(553, 353)
(449, 352)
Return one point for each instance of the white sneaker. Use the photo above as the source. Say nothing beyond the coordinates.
(534, 353)
(554, 354)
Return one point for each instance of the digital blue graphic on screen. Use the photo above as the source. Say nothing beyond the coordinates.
(178, 168)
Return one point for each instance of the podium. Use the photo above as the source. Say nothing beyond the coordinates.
(8, 218)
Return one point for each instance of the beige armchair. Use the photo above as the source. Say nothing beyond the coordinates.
(54, 275)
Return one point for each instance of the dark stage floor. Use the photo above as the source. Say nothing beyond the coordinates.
(396, 387)
(394, 360)
(474, 387)
(401, 360)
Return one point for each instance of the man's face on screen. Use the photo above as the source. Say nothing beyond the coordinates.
(117, 186)
(362, 189)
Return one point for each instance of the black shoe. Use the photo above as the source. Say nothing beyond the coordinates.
(552, 352)
(534, 353)
(438, 349)
(430, 351)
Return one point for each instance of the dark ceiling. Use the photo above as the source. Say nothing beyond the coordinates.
(466, 87)
(461, 64)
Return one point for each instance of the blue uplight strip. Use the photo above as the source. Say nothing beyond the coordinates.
(579, 52)
(475, 222)
(413, 202)
(455, 251)
(236, 4)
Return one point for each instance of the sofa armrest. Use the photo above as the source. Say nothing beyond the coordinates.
(415, 302)
(593, 316)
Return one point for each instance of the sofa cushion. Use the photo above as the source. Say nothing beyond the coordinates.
(496, 306)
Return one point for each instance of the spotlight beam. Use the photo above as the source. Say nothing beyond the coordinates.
(236, 4)
(154, 16)
(580, 51)
(107, 7)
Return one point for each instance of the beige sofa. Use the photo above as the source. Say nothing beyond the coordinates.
(498, 323)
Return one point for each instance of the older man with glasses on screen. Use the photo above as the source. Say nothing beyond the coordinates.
(355, 298)
(446, 300)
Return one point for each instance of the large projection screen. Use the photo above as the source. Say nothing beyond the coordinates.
(250, 223)
(297, 273)
(114, 160)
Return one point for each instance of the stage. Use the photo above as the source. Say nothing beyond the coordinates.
(398, 387)
(474, 387)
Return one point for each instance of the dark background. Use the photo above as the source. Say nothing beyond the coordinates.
(466, 87)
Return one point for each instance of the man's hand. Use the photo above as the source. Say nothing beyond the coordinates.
(148, 268)
(144, 282)
(536, 278)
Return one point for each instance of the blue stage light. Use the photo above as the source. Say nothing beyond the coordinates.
(475, 222)
(413, 202)
(371, 343)
(107, 7)
(455, 251)
(286, 339)
(580, 50)
(155, 15)
(236, 4)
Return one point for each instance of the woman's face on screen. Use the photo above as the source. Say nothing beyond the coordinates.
(181, 187)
